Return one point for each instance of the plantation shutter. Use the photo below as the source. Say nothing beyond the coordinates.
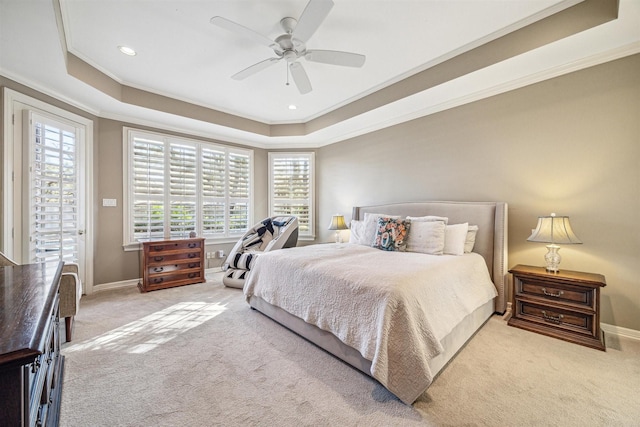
(291, 185)
(177, 186)
(54, 188)
(182, 189)
(147, 183)
(213, 192)
(239, 190)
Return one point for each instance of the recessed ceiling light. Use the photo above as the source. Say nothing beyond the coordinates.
(292, 107)
(127, 50)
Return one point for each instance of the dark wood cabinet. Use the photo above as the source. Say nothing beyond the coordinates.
(564, 305)
(169, 263)
(31, 365)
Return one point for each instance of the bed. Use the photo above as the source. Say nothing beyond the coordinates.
(398, 330)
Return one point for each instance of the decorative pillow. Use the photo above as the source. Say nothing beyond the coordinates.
(371, 227)
(357, 233)
(471, 239)
(455, 237)
(391, 234)
(426, 237)
(429, 218)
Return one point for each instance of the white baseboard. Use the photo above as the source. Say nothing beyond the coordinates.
(134, 282)
(115, 285)
(620, 332)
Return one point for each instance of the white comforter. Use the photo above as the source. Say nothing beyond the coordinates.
(393, 307)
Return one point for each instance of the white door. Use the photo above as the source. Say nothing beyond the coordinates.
(53, 212)
(47, 184)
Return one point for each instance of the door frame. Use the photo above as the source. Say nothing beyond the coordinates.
(14, 103)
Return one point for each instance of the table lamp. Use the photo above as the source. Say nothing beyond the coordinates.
(553, 229)
(337, 223)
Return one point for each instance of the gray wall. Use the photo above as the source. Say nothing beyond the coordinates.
(569, 145)
(113, 264)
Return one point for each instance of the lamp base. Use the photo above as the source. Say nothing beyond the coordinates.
(338, 237)
(553, 258)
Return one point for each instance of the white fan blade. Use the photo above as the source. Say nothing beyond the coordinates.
(255, 68)
(314, 13)
(245, 32)
(300, 77)
(334, 57)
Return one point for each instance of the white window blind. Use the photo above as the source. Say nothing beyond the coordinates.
(177, 186)
(291, 183)
(54, 187)
(147, 187)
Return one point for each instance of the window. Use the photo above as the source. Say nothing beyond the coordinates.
(176, 186)
(291, 183)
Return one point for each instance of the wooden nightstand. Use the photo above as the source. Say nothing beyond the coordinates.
(564, 305)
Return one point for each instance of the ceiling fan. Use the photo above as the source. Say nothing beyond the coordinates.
(291, 46)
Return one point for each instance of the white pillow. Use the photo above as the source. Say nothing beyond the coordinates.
(371, 227)
(429, 218)
(455, 237)
(471, 239)
(426, 237)
(357, 232)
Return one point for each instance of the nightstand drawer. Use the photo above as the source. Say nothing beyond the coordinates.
(556, 292)
(556, 317)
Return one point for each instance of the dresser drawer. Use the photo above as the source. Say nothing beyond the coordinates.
(551, 291)
(190, 266)
(569, 320)
(174, 246)
(163, 259)
(176, 278)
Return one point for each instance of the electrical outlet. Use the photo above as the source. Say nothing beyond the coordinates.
(209, 255)
(220, 253)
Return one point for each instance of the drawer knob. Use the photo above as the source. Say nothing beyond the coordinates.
(158, 280)
(552, 319)
(158, 269)
(158, 258)
(192, 245)
(551, 294)
(192, 255)
(192, 275)
(193, 264)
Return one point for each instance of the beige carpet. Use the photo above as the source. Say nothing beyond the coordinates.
(199, 356)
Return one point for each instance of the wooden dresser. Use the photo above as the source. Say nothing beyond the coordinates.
(31, 365)
(564, 305)
(169, 263)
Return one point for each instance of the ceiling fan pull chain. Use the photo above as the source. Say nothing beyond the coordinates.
(287, 67)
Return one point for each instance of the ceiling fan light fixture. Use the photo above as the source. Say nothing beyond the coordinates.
(291, 46)
(127, 50)
(293, 107)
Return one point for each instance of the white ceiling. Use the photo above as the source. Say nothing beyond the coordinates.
(182, 56)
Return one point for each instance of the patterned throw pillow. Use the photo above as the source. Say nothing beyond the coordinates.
(426, 237)
(391, 234)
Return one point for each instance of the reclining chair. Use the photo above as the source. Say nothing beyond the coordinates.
(272, 233)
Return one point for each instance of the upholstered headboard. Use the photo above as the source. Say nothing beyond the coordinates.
(491, 238)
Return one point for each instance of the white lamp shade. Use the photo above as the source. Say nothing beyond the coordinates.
(337, 223)
(554, 229)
